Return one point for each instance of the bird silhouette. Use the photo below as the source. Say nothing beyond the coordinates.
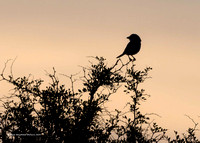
(133, 47)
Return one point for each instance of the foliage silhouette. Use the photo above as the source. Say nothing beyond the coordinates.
(65, 114)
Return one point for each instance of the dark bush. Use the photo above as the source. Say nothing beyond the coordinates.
(66, 114)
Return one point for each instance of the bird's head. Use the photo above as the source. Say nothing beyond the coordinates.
(134, 37)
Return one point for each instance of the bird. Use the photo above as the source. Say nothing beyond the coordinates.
(133, 47)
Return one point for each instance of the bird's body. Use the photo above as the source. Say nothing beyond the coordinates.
(133, 47)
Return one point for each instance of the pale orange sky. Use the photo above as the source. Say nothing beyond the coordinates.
(61, 34)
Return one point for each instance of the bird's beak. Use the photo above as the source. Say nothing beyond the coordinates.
(128, 37)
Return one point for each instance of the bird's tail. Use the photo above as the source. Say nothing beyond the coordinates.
(120, 55)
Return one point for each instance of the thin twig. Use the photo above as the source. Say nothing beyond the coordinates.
(71, 79)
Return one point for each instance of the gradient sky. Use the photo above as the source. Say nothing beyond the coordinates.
(61, 33)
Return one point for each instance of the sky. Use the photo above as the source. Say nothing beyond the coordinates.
(46, 33)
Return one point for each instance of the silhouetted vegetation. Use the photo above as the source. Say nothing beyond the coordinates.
(64, 113)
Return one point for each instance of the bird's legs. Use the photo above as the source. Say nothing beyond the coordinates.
(132, 57)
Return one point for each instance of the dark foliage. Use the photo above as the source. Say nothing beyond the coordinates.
(66, 114)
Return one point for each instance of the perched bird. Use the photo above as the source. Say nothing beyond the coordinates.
(133, 46)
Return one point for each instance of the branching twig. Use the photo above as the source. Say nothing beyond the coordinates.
(71, 79)
(11, 67)
(195, 124)
(4, 68)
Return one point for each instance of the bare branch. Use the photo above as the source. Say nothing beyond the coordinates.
(11, 67)
(195, 124)
(71, 79)
(2, 73)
